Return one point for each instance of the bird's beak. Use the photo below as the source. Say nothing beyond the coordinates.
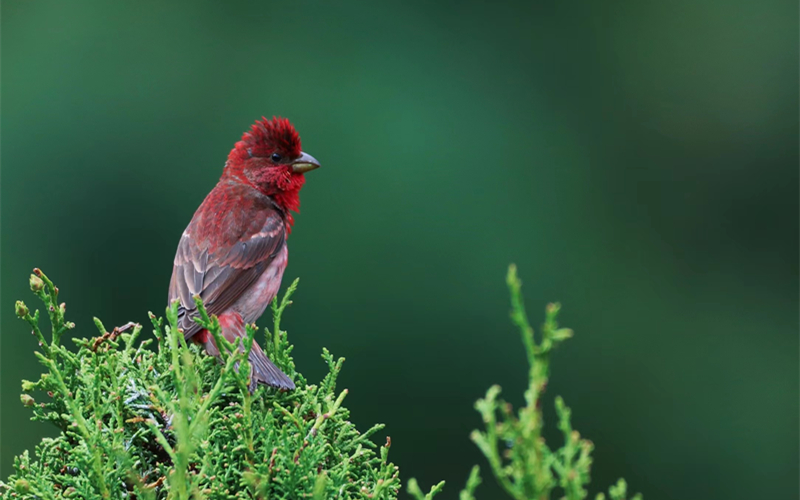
(304, 163)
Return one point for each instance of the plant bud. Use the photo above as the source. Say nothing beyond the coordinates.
(21, 309)
(27, 385)
(22, 486)
(27, 400)
(36, 283)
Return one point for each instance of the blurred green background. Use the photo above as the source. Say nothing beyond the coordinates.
(638, 160)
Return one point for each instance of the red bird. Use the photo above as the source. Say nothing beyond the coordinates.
(233, 252)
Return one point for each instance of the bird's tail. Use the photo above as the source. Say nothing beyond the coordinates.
(264, 371)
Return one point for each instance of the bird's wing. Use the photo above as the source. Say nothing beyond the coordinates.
(222, 275)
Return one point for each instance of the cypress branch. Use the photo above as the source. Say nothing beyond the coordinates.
(520, 460)
(173, 423)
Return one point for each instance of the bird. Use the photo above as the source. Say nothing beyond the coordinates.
(233, 252)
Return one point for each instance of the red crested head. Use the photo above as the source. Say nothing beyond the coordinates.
(269, 136)
(270, 159)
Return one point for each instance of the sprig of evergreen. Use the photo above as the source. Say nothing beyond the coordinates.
(520, 459)
(173, 423)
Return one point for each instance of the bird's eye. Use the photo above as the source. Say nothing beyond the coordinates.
(276, 157)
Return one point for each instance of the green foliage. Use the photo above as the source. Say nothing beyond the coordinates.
(522, 463)
(174, 423)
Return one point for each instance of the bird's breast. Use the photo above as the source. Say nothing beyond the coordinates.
(253, 302)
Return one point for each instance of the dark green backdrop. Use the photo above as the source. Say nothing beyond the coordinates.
(637, 160)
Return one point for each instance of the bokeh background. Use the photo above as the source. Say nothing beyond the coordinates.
(638, 160)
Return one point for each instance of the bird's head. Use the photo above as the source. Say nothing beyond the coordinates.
(269, 158)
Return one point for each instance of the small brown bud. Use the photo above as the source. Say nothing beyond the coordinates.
(21, 309)
(27, 399)
(36, 283)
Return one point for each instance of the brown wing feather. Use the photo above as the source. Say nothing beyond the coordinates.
(220, 277)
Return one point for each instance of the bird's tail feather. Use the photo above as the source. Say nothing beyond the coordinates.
(264, 371)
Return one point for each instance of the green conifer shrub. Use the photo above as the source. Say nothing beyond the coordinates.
(173, 423)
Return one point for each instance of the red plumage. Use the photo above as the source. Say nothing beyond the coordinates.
(233, 252)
